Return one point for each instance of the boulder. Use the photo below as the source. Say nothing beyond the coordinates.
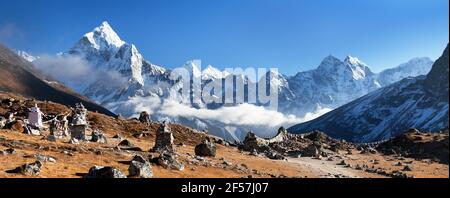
(168, 161)
(253, 142)
(32, 169)
(140, 169)
(311, 150)
(206, 148)
(104, 172)
(98, 136)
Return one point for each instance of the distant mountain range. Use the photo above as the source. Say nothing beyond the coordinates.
(416, 102)
(333, 84)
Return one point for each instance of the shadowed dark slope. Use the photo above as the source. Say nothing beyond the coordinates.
(20, 77)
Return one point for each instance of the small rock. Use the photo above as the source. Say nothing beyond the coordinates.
(139, 158)
(44, 158)
(254, 152)
(398, 174)
(274, 155)
(104, 172)
(342, 163)
(126, 142)
(140, 169)
(349, 152)
(8, 151)
(74, 141)
(226, 163)
(117, 136)
(51, 138)
(199, 158)
(407, 168)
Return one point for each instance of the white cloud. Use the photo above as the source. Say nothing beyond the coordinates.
(76, 72)
(260, 120)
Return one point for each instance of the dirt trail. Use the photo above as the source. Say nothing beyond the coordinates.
(325, 168)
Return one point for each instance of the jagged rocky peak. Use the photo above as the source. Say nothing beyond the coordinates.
(329, 62)
(351, 66)
(102, 40)
(359, 69)
(104, 34)
(353, 60)
(437, 79)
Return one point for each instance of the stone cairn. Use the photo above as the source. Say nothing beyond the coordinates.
(59, 126)
(34, 124)
(35, 117)
(164, 146)
(164, 139)
(144, 117)
(79, 124)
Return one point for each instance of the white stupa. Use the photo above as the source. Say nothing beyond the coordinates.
(35, 116)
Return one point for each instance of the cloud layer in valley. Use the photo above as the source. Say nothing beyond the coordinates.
(262, 121)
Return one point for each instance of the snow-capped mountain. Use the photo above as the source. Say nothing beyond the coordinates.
(104, 49)
(415, 102)
(412, 68)
(130, 84)
(27, 56)
(332, 84)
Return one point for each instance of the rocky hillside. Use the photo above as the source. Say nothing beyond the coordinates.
(117, 148)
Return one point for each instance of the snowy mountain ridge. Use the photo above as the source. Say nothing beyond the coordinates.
(414, 102)
(331, 85)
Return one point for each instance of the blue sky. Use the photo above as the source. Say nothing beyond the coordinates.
(293, 35)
